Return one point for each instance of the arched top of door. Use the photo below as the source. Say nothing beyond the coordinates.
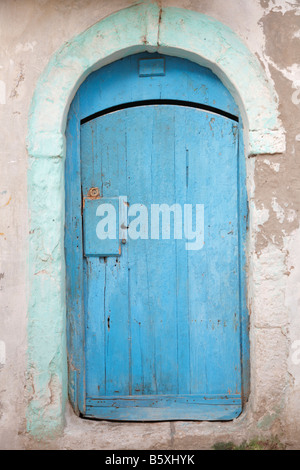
(171, 31)
(146, 78)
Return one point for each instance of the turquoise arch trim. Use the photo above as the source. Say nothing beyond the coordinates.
(144, 27)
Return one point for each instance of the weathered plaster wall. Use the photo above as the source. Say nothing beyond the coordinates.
(31, 31)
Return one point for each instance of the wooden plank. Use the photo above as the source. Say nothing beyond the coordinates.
(119, 83)
(95, 324)
(203, 413)
(213, 304)
(162, 263)
(139, 400)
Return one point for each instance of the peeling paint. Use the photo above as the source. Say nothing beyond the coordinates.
(28, 46)
(184, 33)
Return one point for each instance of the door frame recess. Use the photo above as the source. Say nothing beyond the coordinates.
(200, 91)
(145, 27)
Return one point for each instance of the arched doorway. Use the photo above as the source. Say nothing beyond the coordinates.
(156, 212)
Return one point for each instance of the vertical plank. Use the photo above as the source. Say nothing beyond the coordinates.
(95, 273)
(170, 322)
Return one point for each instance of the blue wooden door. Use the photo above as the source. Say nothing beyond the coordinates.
(161, 277)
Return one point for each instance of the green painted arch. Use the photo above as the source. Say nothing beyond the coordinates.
(145, 27)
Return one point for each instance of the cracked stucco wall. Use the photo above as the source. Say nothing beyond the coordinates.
(271, 30)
